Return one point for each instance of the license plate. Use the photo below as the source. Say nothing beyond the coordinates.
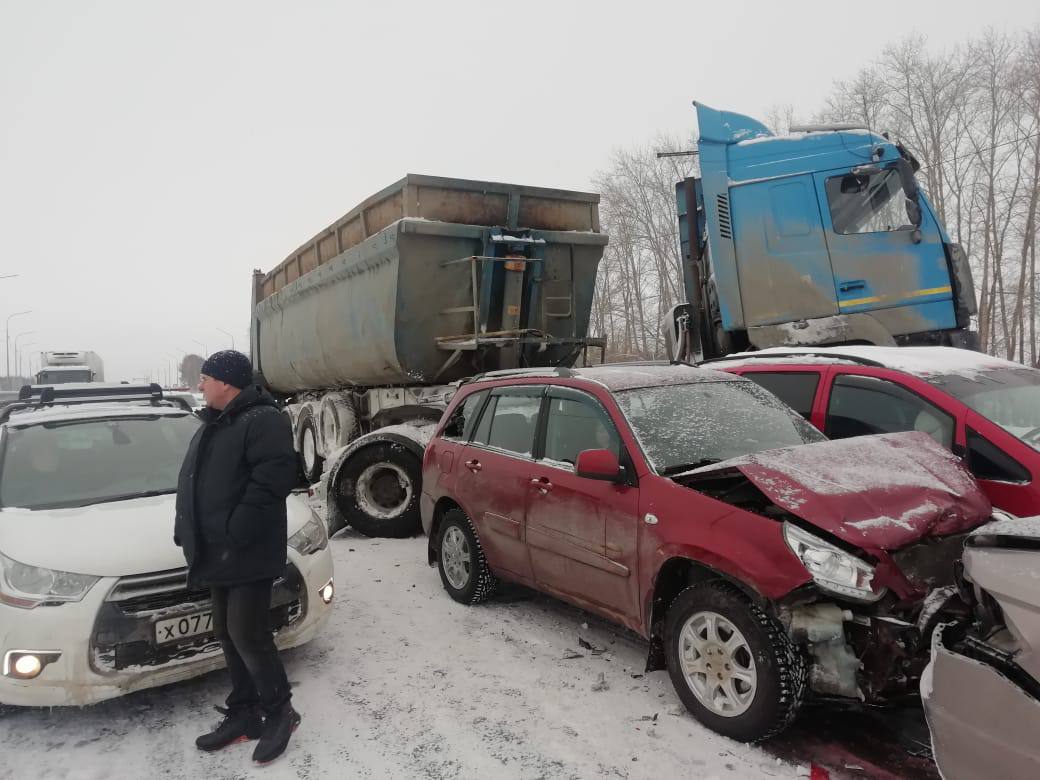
(172, 629)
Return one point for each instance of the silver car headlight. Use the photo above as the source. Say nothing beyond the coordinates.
(30, 586)
(832, 568)
(311, 538)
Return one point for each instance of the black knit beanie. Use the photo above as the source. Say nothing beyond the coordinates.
(229, 366)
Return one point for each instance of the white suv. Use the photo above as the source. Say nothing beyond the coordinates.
(94, 599)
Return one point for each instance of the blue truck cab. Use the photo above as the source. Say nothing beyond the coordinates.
(817, 237)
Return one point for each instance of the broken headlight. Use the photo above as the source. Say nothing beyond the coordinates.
(30, 586)
(832, 568)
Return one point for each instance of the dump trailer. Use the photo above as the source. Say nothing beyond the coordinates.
(70, 366)
(367, 328)
(821, 236)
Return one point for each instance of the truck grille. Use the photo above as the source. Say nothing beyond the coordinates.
(124, 630)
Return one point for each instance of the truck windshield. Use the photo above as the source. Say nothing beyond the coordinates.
(686, 426)
(81, 462)
(62, 377)
(868, 203)
(1009, 397)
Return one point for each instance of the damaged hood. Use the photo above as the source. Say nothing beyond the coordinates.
(876, 492)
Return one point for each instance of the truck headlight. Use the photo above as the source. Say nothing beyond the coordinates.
(311, 538)
(832, 568)
(30, 586)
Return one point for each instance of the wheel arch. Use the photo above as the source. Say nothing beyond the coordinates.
(673, 576)
(441, 508)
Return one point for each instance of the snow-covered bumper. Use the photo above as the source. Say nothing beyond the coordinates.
(110, 643)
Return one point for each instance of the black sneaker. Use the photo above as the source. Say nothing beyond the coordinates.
(239, 725)
(277, 730)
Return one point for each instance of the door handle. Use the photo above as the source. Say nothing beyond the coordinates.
(858, 284)
(542, 484)
(473, 465)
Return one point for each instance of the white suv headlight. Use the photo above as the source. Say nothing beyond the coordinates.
(30, 586)
(832, 568)
(311, 538)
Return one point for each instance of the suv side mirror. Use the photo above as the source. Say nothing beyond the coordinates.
(598, 464)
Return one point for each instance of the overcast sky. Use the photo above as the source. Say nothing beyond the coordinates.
(152, 154)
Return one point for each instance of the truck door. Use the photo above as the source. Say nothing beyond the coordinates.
(782, 263)
(876, 263)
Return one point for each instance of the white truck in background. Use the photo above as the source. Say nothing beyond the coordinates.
(58, 368)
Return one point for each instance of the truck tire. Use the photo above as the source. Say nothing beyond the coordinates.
(377, 491)
(338, 422)
(461, 562)
(733, 665)
(310, 460)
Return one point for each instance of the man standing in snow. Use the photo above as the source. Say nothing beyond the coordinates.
(231, 524)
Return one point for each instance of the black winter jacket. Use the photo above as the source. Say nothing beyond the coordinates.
(239, 469)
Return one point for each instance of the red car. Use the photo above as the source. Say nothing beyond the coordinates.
(984, 409)
(761, 561)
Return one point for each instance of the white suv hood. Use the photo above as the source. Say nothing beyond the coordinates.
(117, 539)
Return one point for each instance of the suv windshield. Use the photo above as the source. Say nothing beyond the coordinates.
(1010, 397)
(685, 426)
(80, 462)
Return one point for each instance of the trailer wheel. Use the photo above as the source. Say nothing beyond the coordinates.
(377, 491)
(310, 459)
(732, 664)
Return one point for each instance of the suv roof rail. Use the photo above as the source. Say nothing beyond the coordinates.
(38, 396)
(758, 356)
(505, 373)
(86, 393)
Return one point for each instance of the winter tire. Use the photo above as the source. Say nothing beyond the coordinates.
(310, 459)
(461, 562)
(377, 491)
(732, 664)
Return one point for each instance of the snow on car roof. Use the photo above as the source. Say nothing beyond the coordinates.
(919, 361)
(22, 418)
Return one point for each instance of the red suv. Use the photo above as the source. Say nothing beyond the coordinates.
(760, 560)
(984, 409)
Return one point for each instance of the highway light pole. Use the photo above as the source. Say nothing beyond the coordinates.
(229, 336)
(7, 340)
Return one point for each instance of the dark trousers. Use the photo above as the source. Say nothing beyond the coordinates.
(240, 622)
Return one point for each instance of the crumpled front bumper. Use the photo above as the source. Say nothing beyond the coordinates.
(983, 724)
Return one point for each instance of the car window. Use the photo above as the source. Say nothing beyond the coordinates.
(863, 405)
(463, 419)
(987, 461)
(575, 424)
(510, 419)
(66, 464)
(796, 389)
(1010, 397)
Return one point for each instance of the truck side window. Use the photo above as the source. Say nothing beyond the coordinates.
(576, 424)
(870, 203)
(463, 419)
(987, 461)
(862, 405)
(796, 389)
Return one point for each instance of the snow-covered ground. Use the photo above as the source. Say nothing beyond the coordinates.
(403, 682)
